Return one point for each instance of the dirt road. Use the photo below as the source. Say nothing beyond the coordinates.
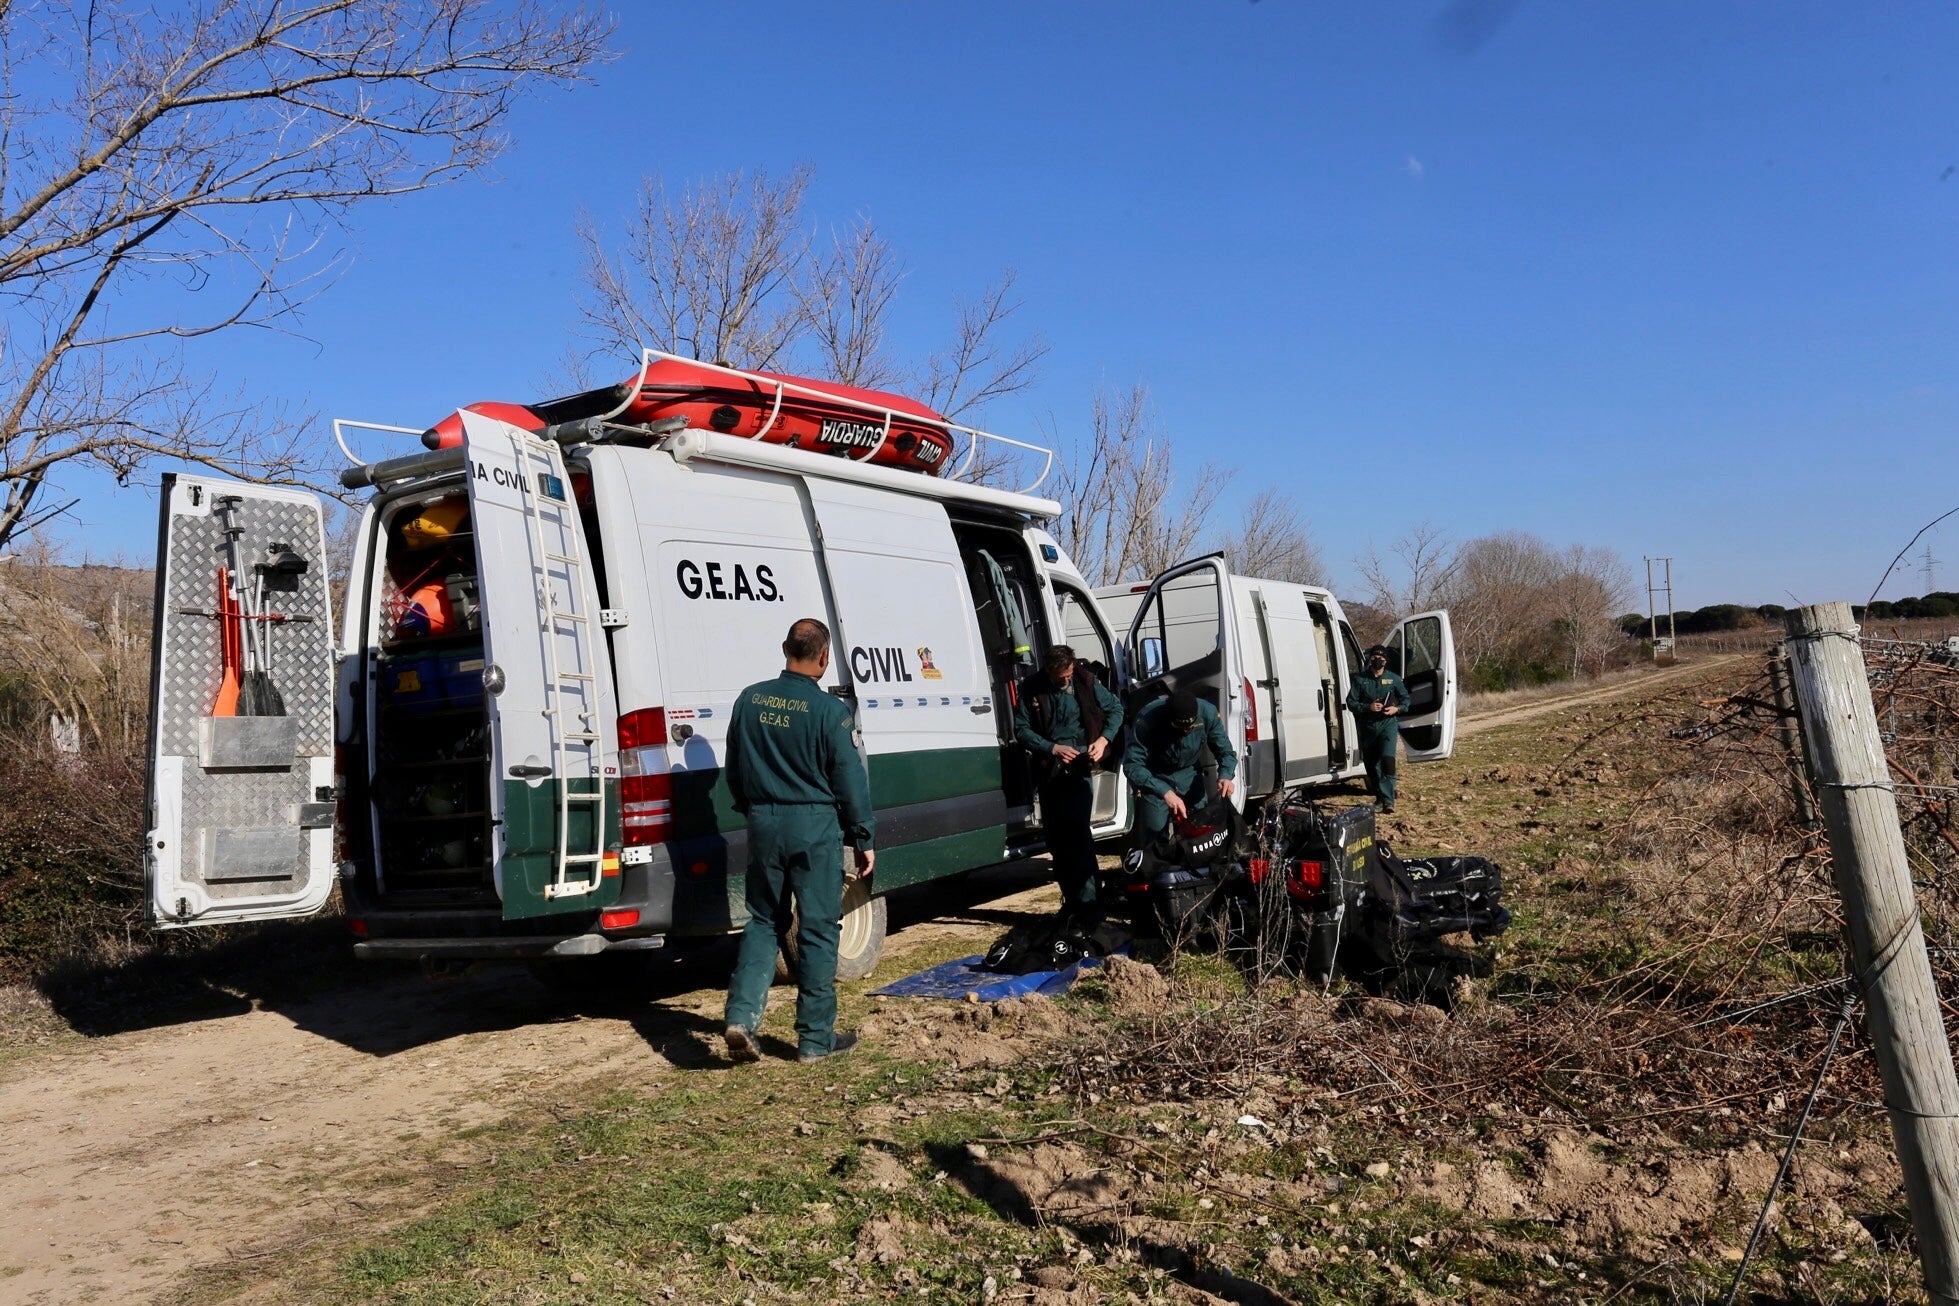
(134, 1158)
(1627, 688)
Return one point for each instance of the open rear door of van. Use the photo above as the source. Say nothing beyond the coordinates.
(241, 791)
(554, 779)
(1187, 630)
(1423, 649)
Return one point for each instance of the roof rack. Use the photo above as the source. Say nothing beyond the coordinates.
(974, 436)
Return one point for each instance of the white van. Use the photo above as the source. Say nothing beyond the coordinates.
(1275, 658)
(514, 748)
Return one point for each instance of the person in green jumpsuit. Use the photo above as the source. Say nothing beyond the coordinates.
(1068, 721)
(792, 766)
(1376, 698)
(1164, 747)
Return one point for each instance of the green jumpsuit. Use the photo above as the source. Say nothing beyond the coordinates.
(1379, 733)
(1067, 791)
(792, 766)
(1163, 759)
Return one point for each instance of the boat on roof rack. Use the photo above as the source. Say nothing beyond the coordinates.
(671, 392)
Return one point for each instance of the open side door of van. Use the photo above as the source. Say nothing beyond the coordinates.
(1296, 684)
(1186, 631)
(908, 646)
(240, 807)
(1423, 649)
(554, 779)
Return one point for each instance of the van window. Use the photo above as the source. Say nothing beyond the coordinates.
(1181, 634)
(1082, 630)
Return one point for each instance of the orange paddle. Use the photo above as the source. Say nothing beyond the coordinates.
(228, 648)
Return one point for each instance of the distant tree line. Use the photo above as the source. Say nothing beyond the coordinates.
(1713, 619)
(1717, 618)
(1939, 603)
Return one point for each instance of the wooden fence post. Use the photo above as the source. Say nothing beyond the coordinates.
(1791, 736)
(1887, 941)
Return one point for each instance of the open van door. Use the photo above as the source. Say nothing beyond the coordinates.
(908, 648)
(554, 777)
(1084, 630)
(1296, 684)
(240, 807)
(1186, 631)
(1422, 649)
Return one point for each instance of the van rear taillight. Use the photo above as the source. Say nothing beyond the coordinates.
(644, 728)
(645, 784)
(1251, 715)
(623, 918)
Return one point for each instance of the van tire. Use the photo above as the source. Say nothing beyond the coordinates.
(860, 942)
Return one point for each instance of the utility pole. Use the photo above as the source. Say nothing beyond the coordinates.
(1887, 940)
(1662, 648)
(1926, 564)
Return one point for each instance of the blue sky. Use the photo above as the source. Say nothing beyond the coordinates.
(1671, 278)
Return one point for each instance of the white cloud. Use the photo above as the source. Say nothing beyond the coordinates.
(1414, 167)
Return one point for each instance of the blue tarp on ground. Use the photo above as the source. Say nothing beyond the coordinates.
(955, 979)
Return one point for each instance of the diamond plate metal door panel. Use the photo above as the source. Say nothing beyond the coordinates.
(237, 828)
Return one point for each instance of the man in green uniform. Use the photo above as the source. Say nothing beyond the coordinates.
(1067, 721)
(1376, 698)
(1164, 747)
(793, 769)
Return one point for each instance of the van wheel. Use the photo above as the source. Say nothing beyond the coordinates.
(860, 943)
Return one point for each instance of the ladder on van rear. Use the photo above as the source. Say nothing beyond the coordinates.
(554, 544)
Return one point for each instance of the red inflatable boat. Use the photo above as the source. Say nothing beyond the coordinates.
(820, 416)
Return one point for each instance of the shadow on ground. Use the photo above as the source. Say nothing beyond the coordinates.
(306, 971)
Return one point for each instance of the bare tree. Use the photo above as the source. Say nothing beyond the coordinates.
(1411, 579)
(730, 273)
(208, 144)
(711, 274)
(978, 367)
(1596, 584)
(1128, 515)
(1272, 542)
(846, 300)
(1521, 609)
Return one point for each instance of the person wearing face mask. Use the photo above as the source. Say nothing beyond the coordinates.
(1164, 747)
(1376, 698)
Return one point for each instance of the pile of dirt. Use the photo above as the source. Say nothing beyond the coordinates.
(969, 1034)
(1135, 989)
(1568, 1180)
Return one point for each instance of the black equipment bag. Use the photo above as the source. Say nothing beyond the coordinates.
(1179, 875)
(1423, 899)
(1194, 849)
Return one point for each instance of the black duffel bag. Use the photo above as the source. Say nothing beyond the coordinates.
(1427, 897)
